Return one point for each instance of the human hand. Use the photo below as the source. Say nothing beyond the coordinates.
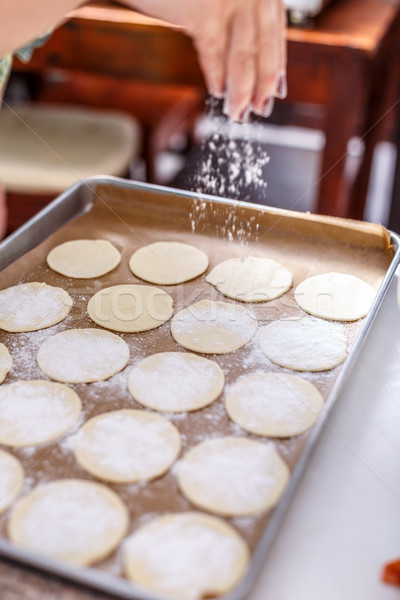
(241, 47)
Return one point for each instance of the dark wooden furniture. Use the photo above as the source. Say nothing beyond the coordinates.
(345, 66)
(394, 217)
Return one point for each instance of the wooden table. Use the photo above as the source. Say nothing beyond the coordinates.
(345, 66)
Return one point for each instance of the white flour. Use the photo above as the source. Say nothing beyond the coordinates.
(185, 555)
(36, 412)
(235, 476)
(69, 519)
(83, 355)
(171, 382)
(231, 162)
(213, 327)
(32, 306)
(127, 445)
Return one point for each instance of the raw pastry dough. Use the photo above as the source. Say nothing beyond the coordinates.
(250, 279)
(168, 263)
(176, 381)
(71, 519)
(335, 296)
(186, 555)
(233, 476)
(11, 479)
(6, 362)
(305, 344)
(84, 259)
(213, 327)
(273, 404)
(130, 308)
(126, 446)
(83, 355)
(36, 412)
(32, 306)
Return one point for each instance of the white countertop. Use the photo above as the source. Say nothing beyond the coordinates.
(344, 520)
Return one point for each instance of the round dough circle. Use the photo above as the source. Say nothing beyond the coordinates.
(32, 306)
(274, 404)
(335, 296)
(83, 355)
(6, 362)
(130, 308)
(11, 479)
(304, 345)
(176, 382)
(168, 263)
(186, 555)
(213, 327)
(36, 412)
(233, 476)
(126, 446)
(250, 279)
(77, 521)
(84, 259)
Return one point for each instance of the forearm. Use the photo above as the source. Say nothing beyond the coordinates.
(22, 21)
(167, 11)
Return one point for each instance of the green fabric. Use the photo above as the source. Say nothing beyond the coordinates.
(5, 67)
(24, 54)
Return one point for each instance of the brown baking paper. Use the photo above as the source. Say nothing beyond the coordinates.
(306, 244)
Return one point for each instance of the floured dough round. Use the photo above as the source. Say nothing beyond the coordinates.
(32, 306)
(176, 381)
(36, 412)
(168, 263)
(126, 446)
(213, 327)
(77, 521)
(6, 362)
(335, 296)
(304, 345)
(11, 479)
(250, 279)
(84, 259)
(186, 555)
(233, 476)
(83, 355)
(273, 404)
(130, 308)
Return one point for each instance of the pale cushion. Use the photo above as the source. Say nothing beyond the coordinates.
(49, 148)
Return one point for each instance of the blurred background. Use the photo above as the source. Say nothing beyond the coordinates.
(114, 92)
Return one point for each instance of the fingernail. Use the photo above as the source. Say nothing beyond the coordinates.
(281, 86)
(268, 108)
(217, 94)
(236, 116)
(244, 115)
(225, 108)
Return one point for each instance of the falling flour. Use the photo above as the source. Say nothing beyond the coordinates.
(231, 161)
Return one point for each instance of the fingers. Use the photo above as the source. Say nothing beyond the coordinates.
(241, 61)
(241, 46)
(211, 50)
(271, 66)
(281, 90)
(210, 36)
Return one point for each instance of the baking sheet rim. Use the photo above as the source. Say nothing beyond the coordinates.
(117, 585)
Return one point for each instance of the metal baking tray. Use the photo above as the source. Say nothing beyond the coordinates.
(130, 215)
